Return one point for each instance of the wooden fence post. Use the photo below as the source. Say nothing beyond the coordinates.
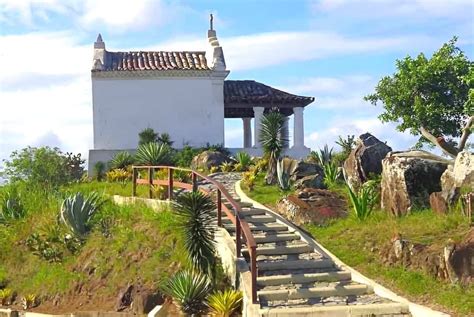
(219, 208)
(194, 180)
(170, 183)
(150, 182)
(134, 181)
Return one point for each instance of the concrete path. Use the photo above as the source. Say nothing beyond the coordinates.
(296, 278)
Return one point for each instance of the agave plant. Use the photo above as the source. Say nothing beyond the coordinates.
(323, 156)
(331, 173)
(196, 220)
(154, 154)
(77, 211)
(285, 168)
(121, 160)
(189, 290)
(11, 207)
(224, 304)
(364, 200)
(272, 140)
(244, 160)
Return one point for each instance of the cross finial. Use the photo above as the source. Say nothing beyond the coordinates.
(211, 20)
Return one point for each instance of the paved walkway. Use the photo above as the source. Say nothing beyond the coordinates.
(297, 279)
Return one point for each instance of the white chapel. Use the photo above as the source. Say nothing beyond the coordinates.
(182, 93)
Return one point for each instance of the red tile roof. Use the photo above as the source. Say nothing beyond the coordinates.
(160, 60)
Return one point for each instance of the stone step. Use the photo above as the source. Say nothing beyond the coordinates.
(385, 309)
(261, 227)
(303, 278)
(322, 291)
(254, 219)
(252, 212)
(242, 204)
(275, 237)
(278, 250)
(295, 264)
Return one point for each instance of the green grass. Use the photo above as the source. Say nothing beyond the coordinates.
(358, 243)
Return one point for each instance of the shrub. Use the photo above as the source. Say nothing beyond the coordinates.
(213, 169)
(331, 174)
(261, 165)
(226, 167)
(346, 144)
(154, 154)
(99, 170)
(189, 290)
(364, 200)
(165, 138)
(44, 166)
(118, 175)
(194, 210)
(243, 162)
(77, 211)
(29, 301)
(184, 157)
(6, 296)
(11, 208)
(285, 168)
(224, 304)
(147, 135)
(217, 148)
(122, 160)
(248, 179)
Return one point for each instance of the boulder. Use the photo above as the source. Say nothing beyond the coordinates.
(304, 169)
(458, 176)
(207, 159)
(438, 203)
(408, 179)
(311, 181)
(365, 159)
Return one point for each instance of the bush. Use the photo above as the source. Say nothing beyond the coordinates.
(243, 162)
(118, 175)
(146, 136)
(154, 154)
(225, 303)
(184, 157)
(44, 167)
(6, 297)
(364, 200)
(227, 167)
(248, 179)
(11, 208)
(99, 170)
(77, 211)
(122, 160)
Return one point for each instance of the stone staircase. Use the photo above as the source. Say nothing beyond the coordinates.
(295, 279)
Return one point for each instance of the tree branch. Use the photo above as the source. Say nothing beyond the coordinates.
(441, 143)
(466, 133)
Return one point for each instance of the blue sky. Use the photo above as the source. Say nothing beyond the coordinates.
(333, 50)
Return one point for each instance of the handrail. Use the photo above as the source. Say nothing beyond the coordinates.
(241, 226)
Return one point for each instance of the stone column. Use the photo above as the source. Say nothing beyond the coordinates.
(298, 128)
(258, 114)
(286, 133)
(247, 132)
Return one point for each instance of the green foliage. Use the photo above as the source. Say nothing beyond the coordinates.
(346, 144)
(184, 157)
(11, 207)
(119, 175)
(122, 160)
(77, 211)
(164, 138)
(243, 161)
(99, 170)
(44, 167)
(227, 167)
(431, 93)
(154, 154)
(323, 156)
(216, 148)
(285, 168)
(224, 304)
(194, 210)
(331, 174)
(146, 136)
(272, 140)
(364, 200)
(248, 179)
(189, 290)
(6, 297)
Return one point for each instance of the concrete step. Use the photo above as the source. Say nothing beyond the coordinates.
(278, 250)
(294, 264)
(272, 227)
(252, 212)
(303, 278)
(322, 291)
(275, 237)
(259, 219)
(242, 204)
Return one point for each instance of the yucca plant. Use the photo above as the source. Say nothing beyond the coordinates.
(154, 154)
(285, 168)
(224, 304)
(121, 160)
(363, 201)
(272, 140)
(5, 296)
(244, 160)
(77, 211)
(188, 290)
(11, 207)
(331, 173)
(194, 210)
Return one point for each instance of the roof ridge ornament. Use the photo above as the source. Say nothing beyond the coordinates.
(211, 22)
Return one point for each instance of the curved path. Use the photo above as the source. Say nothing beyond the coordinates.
(298, 278)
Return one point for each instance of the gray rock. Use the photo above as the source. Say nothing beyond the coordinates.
(304, 169)
(408, 179)
(458, 176)
(365, 159)
(311, 181)
(207, 159)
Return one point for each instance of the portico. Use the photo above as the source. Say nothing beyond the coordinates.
(248, 99)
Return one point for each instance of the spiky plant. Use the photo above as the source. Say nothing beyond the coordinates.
(272, 140)
(244, 160)
(188, 290)
(364, 200)
(147, 135)
(226, 167)
(11, 207)
(77, 211)
(323, 156)
(224, 303)
(285, 168)
(6, 295)
(121, 160)
(331, 174)
(99, 170)
(194, 210)
(29, 301)
(154, 154)
(346, 144)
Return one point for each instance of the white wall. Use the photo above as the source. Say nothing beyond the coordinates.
(191, 110)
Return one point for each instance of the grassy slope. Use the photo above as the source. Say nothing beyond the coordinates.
(357, 244)
(143, 245)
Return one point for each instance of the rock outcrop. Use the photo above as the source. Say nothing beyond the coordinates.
(408, 179)
(307, 175)
(312, 206)
(457, 177)
(365, 159)
(207, 159)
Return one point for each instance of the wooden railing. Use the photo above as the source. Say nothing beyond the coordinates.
(241, 226)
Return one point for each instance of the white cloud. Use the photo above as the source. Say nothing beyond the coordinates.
(27, 10)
